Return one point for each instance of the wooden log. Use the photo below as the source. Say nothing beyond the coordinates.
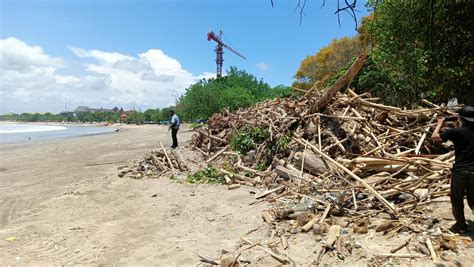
(321, 253)
(233, 186)
(312, 163)
(256, 172)
(370, 104)
(181, 159)
(338, 143)
(310, 224)
(402, 245)
(157, 163)
(398, 255)
(339, 247)
(333, 234)
(328, 116)
(432, 251)
(209, 143)
(181, 164)
(286, 173)
(418, 147)
(264, 194)
(354, 200)
(377, 161)
(281, 259)
(319, 133)
(207, 259)
(217, 154)
(325, 213)
(211, 136)
(200, 151)
(239, 177)
(422, 249)
(284, 242)
(339, 84)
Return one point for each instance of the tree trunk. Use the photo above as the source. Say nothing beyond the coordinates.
(467, 98)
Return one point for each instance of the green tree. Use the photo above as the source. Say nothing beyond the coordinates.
(152, 115)
(233, 98)
(136, 117)
(423, 49)
(236, 90)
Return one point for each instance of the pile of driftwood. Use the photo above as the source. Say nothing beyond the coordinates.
(342, 154)
(155, 164)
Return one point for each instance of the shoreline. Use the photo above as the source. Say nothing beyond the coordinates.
(28, 136)
(51, 123)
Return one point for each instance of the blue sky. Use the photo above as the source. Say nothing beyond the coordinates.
(270, 38)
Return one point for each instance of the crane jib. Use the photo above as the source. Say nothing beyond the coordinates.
(219, 51)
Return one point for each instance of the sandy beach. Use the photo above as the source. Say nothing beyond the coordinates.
(63, 204)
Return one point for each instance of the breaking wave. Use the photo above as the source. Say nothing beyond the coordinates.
(23, 128)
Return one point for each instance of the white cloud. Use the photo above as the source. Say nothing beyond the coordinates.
(17, 55)
(151, 76)
(68, 79)
(262, 66)
(30, 80)
(100, 55)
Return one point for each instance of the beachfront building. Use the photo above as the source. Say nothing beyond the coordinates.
(86, 109)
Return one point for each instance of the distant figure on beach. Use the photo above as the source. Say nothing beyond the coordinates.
(462, 178)
(174, 127)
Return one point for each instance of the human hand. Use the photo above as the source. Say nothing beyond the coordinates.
(437, 139)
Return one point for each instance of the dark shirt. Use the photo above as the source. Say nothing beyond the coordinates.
(463, 139)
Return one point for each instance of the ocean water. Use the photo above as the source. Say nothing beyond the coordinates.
(10, 133)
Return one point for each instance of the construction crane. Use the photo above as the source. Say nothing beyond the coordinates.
(220, 50)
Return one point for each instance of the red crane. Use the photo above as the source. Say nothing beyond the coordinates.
(220, 50)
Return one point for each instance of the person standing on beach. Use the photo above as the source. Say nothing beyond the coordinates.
(174, 127)
(462, 179)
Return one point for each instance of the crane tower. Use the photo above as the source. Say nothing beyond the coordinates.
(220, 50)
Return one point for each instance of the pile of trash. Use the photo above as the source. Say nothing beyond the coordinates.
(327, 155)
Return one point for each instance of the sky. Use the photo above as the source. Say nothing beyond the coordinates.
(57, 55)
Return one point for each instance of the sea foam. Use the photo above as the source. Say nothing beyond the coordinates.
(24, 128)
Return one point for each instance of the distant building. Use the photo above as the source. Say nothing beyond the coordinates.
(86, 109)
(81, 109)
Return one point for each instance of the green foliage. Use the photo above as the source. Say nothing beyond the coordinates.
(153, 115)
(423, 49)
(135, 117)
(235, 97)
(284, 141)
(328, 60)
(207, 175)
(238, 89)
(417, 49)
(261, 166)
(248, 138)
(63, 117)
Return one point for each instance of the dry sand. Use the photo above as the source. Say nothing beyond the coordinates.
(62, 203)
(58, 208)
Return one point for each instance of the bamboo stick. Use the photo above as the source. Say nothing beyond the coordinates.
(168, 158)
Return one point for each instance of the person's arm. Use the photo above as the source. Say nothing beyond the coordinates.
(172, 122)
(436, 137)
